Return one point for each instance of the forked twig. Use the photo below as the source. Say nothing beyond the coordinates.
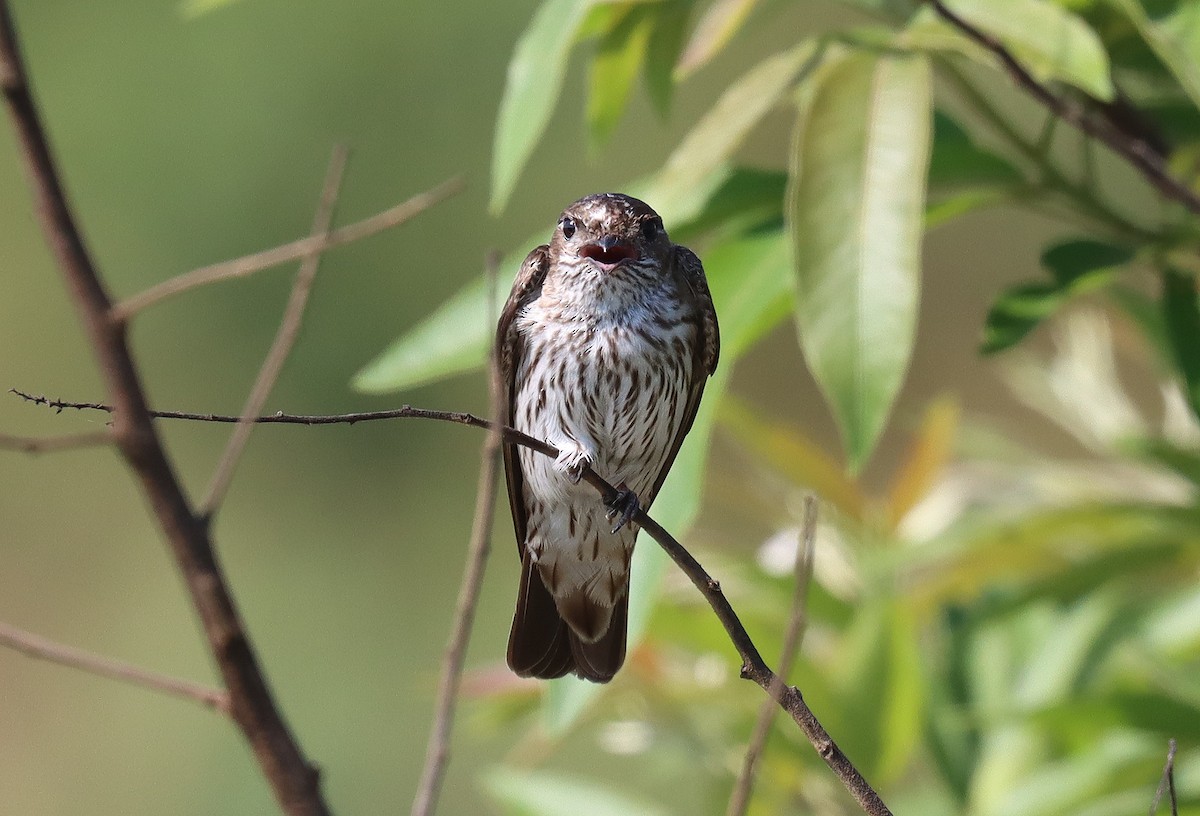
(1141, 151)
(739, 801)
(41, 648)
(285, 338)
(291, 251)
(437, 753)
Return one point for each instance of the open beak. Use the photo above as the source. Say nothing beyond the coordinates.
(608, 251)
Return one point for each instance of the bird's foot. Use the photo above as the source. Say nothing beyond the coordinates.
(571, 462)
(625, 504)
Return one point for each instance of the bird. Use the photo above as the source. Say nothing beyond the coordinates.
(603, 350)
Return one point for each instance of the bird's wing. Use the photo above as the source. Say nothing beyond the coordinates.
(706, 350)
(509, 350)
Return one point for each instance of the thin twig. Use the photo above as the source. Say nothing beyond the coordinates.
(437, 753)
(41, 648)
(54, 444)
(285, 338)
(292, 251)
(754, 667)
(293, 780)
(739, 801)
(1167, 783)
(1145, 156)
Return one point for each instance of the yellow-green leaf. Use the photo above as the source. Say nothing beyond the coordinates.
(856, 209)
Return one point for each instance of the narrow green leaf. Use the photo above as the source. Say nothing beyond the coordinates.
(544, 793)
(1017, 312)
(1174, 37)
(1076, 267)
(614, 68)
(856, 209)
(957, 161)
(708, 146)
(716, 28)
(1051, 42)
(666, 44)
(535, 78)
(1181, 313)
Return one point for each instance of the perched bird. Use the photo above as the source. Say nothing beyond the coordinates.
(603, 349)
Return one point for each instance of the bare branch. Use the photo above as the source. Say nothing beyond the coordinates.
(1167, 783)
(739, 801)
(1112, 127)
(54, 444)
(285, 338)
(437, 753)
(754, 667)
(293, 780)
(41, 648)
(293, 251)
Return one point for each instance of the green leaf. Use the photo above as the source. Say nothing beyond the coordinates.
(956, 160)
(614, 69)
(1017, 312)
(452, 340)
(535, 79)
(1076, 267)
(708, 146)
(1174, 37)
(1049, 41)
(1181, 312)
(666, 43)
(716, 28)
(543, 793)
(856, 209)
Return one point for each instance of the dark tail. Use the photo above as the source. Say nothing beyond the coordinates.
(542, 645)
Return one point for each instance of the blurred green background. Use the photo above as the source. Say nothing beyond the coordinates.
(187, 141)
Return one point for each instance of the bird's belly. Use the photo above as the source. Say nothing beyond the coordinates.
(617, 396)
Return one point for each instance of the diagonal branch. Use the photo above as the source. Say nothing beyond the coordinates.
(754, 667)
(283, 763)
(293, 251)
(285, 338)
(41, 648)
(739, 802)
(1146, 153)
(1167, 783)
(437, 754)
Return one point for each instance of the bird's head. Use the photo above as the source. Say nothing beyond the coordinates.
(609, 230)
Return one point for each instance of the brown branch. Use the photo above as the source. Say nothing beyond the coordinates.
(1167, 783)
(754, 667)
(1112, 127)
(285, 338)
(53, 444)
(739, 801)
(293, 780)
(41, 648)
(437, 753)
(292, 251)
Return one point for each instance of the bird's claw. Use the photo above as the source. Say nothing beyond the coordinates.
(571, 463)
(625, 504)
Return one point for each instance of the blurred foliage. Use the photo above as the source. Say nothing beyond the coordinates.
(996, 631)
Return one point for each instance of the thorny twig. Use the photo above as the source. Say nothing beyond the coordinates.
(754, 667)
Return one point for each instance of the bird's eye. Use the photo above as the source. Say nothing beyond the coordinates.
(651, 228)
(568, 227)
